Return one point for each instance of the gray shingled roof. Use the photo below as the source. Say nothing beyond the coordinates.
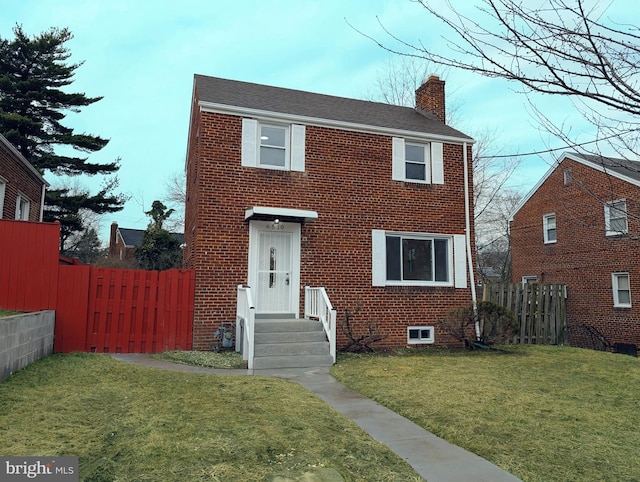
(624, 167)
(296, 102)
(612, 165)
(133, 237)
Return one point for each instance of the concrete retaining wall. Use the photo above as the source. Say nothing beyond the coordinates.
(24, 339)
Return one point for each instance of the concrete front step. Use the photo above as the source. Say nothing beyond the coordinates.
(278, 326)
(290, 337)
(286, 349)
(292, 361)
(290, 343)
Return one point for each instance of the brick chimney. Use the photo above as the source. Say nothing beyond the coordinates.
(430, 97)
(112, 239)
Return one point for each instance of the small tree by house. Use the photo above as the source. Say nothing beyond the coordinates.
(159, 249)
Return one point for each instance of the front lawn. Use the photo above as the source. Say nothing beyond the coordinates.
(542, 413)
(131, 423)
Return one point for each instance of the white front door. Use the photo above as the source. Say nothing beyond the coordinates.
(274, 266)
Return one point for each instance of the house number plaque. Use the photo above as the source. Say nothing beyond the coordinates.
(275, 226)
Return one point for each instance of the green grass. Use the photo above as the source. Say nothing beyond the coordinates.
(131, 423)
(8, 313)
(541, 413)
(209, 359)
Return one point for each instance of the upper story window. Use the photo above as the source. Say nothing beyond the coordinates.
(549, 225)
(568, 176)
(615, 217)
(621, 290)
(417, 162)
(23, 206)
(273, 146)
(418, 259)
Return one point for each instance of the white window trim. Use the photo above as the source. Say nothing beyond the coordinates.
(294, 145)
(427, 162)
(434, 169)
(546, 227)
(607, 218)
(529, 279)
(420, 340)
(3, 190)
(19, 214)
(616, 295)
(287, 147)
(456, 262)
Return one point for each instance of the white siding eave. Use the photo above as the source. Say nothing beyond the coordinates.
(332, 124)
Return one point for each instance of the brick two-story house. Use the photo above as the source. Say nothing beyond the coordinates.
(22, 187)
(287, 189)
(579, 226)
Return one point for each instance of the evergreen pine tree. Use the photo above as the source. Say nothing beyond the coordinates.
(33, 73)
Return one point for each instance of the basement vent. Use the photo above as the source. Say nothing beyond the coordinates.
(420, 335)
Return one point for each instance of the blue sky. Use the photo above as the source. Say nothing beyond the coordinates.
(141, 55)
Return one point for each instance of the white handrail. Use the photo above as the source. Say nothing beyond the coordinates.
(245, 324)
(317, 305)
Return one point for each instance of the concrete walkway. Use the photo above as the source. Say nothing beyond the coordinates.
(435, 459)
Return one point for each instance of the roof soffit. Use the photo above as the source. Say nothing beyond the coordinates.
(330, 123)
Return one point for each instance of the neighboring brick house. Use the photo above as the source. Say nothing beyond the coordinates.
(123, 242)
(579, 226)
(22, 187)
(287, 189)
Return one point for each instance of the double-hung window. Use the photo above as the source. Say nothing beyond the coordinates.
(23, 205)
(272, 145)
(417, 162)
(418, 259)
(549, 226)
(615, 217)
(621, 290)
(420, 162)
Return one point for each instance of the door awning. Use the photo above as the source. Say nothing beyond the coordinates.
(284, 214)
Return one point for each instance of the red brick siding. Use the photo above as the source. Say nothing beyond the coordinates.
(583, 257)
(20, 181)
(348, 182)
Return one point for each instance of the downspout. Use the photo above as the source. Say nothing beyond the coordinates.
(44, 186)
(467, 213)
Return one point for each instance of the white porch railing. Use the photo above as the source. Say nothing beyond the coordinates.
(245, 324)
(317, 305)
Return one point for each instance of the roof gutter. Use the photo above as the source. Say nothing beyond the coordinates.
(467, 214)
(334, 124)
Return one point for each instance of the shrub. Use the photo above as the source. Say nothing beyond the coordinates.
(497, 324)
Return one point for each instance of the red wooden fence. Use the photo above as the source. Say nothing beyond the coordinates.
(97, 309)
(128, 311)
(28, 265)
